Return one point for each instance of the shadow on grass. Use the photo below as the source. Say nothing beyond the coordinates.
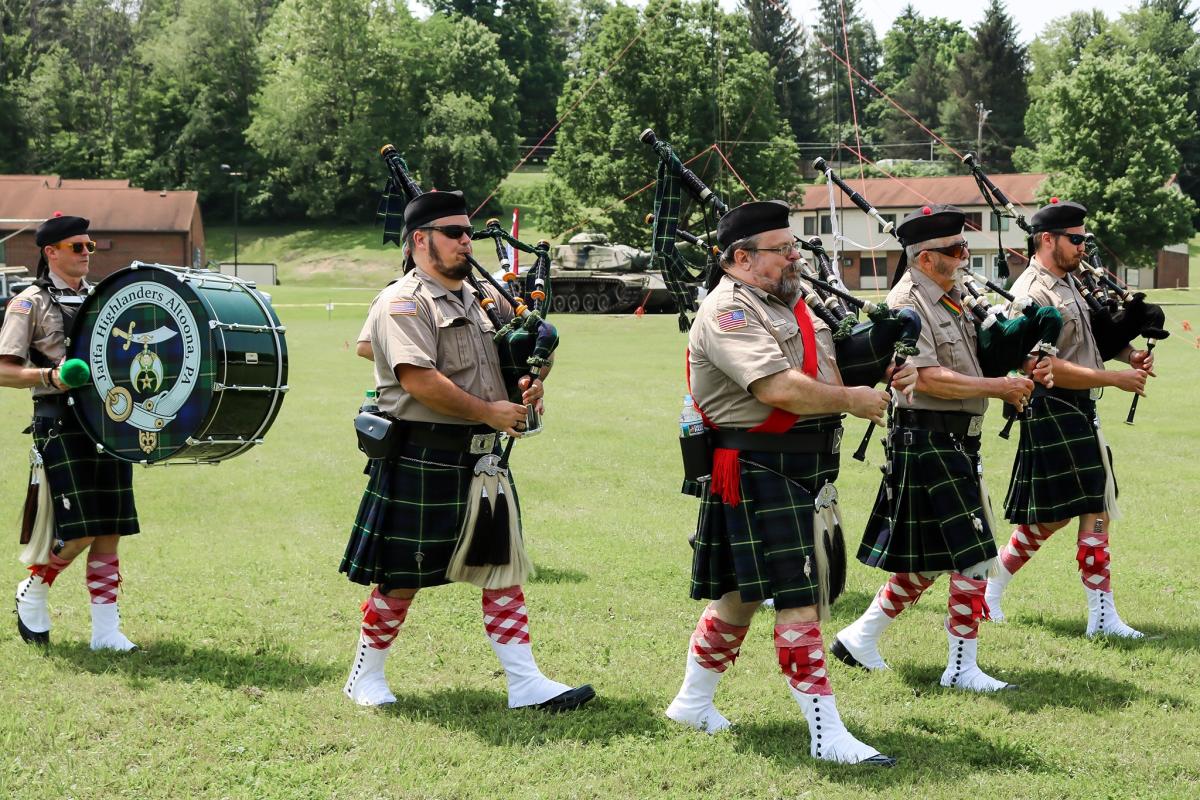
(554, 575)
(1048, 688)
(955, 749)
(170, 660)
(486, 715)
(1175, 637)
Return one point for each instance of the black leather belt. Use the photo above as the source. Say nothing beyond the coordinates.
(828, 442)
(49, 406)
(955, 423)
(476, 439)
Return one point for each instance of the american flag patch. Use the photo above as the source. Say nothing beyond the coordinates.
(404, 306)
(20, 306)
(732, 320)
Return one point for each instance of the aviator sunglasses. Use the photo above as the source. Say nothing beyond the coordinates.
(956, 250)
(77, 247)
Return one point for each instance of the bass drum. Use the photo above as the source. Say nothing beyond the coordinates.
(188, 366)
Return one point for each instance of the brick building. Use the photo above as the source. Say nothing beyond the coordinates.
(872, 265)
(128, 224)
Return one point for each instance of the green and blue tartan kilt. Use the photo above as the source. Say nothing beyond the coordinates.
(1057, 472)
(92, 493)
(939, 523)
(409, 519)
(764, 547)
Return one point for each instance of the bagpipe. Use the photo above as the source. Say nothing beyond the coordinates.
(864, 349)
(526, 342)
(1117, 315)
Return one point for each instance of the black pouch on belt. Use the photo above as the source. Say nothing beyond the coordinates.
(697, 457)
(378, 436)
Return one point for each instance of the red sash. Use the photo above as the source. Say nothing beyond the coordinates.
(726, 472)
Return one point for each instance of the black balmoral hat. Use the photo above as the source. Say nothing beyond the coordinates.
(749, 219)
(930, 222)
(424, 209)
(1057, 215)
(60, 227)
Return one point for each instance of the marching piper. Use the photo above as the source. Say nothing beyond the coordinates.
(438, 377)
(86, 498)
(1063, 467)
(932, 515)
(763, 374)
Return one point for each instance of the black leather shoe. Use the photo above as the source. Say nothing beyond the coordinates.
(33, 637)
(568, 700)
(843, 655)
(879, 761)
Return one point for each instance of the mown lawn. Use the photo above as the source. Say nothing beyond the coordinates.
(247, 629)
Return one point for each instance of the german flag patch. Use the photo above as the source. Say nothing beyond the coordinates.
(404, 307)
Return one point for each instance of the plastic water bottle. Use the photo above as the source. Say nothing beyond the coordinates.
(690, 421)
(370, 403)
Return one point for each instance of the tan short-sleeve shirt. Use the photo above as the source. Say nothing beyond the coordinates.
(33, 321)
(947, 339)
(741, 334)
(418, 321)
(1076, 343)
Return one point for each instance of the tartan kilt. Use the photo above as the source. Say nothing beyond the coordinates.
(1057, 472)
(940, 523)
(409, 519)
(764, 547)
(92, 492)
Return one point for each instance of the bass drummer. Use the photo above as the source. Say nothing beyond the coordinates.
(90, 494)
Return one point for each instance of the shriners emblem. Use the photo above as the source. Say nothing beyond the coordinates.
(155, 391)
(826, 497)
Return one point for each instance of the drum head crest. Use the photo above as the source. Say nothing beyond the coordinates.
(145, 335)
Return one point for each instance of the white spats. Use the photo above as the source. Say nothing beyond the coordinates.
(693, 706)
(106, 628)
(829, 739)
(367, 684)
(527, 686)
(33, 609)
(962, 672)
(1103, 619)
(996, 584)
(858, 643)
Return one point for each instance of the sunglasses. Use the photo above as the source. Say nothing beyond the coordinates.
(1075, 239)
(452, 231)
(956, 250)
(77, 247)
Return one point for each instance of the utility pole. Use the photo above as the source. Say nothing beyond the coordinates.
(983, 115)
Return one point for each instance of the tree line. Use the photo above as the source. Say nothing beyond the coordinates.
(299, 94)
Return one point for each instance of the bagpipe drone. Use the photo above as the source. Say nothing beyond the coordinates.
(1117, 315)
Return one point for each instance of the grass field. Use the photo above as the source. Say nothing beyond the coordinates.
(247, 629)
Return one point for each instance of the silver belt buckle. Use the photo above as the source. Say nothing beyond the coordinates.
(976, 426)
(837, 440)
(482, 443)
(1094, 393)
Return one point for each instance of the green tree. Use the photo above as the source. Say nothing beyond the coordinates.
(693, 77)
(533, 46)
(832, 80)
(779, 35)
(1122, 169)
(918, 55)
(194, 106)
(1059, 48)
(992, 71)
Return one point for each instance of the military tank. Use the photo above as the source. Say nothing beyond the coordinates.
(591, 275)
